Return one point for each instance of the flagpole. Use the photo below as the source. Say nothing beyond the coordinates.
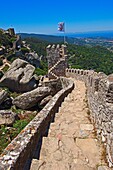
(61, 27)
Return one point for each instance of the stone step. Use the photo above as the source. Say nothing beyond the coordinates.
(49, 146)
(36, 164)
(71, 144)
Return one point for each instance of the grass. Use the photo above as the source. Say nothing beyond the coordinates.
(5, 68)
(12, 94)
(7, 134)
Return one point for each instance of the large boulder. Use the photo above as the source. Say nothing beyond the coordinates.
(55, 85)
(33, 59)
(30, 99)
(7, 117)
(19, 77)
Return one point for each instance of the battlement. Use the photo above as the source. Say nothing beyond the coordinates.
(56, 51)
(11, 31)
(57, 60)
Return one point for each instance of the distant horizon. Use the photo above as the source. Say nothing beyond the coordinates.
(66, 32)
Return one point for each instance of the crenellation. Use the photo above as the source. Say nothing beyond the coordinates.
(57, 64)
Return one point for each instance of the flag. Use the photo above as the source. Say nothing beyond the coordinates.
(61, 26)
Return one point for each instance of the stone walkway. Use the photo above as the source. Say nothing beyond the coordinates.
(71, 143)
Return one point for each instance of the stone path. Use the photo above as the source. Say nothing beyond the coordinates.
(71, 143)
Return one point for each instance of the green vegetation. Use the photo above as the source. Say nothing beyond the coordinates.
(42, 70)
(5, 68)
(24, 50)
(40, 47)
(37, 45)
(45, 38)
(4, 141)
(13, 39)
(5, 39)
(39, 72)
(11, 57)
(95, 58)
(9, 133)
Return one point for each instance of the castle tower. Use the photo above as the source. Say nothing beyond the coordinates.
(57, 61)
(11, 31)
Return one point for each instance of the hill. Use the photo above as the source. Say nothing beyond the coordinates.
(95, 58)
(98, 58)
(42, 37)
(89, 39)
(51, 38)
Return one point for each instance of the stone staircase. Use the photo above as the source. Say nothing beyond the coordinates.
(54, 75)
(71, 143)
(52, 68)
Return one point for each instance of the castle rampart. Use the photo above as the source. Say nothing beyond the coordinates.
(100, 100)
(57, 64)
(22, 148)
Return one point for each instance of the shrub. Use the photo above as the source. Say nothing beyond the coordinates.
(24, 50)
(5, 68)
(39, 72)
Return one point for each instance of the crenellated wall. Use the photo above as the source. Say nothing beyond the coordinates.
(100, 100)
(57, 63)
(23, 146)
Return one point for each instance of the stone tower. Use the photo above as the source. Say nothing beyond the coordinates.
(57, 61)
(11, 31)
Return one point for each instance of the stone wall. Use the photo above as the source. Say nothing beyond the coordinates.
(23, 146)
(17, 43)
(57, 64)
(100, 100)
(11, 31)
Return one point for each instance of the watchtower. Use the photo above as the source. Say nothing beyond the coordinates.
(57, 61)
(11, 31)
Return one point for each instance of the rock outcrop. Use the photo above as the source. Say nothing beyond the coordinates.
(29, 99)
(33, 59)
(55, 85)
(7, 117)
(19, 77)
(45, 101)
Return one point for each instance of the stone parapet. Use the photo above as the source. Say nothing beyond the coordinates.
(100, 100)
(22, 147)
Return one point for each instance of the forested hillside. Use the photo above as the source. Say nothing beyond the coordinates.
(97, 58)
(37, 45)
(53, 38)
(6, 40)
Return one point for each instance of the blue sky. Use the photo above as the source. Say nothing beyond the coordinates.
(42, 16)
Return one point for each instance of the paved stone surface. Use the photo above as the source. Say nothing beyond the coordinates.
(71, 143)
